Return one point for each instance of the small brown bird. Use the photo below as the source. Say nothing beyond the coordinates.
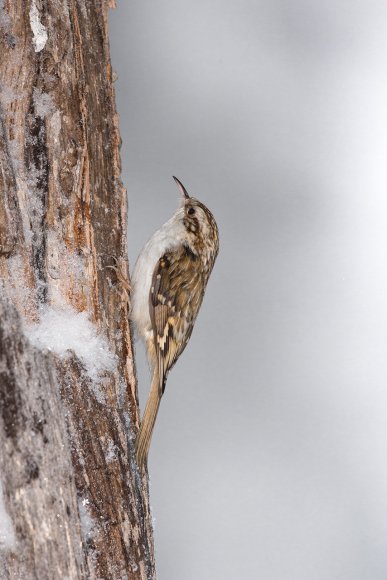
(169, 282)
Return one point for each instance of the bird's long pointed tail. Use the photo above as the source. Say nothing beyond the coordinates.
(148, 422)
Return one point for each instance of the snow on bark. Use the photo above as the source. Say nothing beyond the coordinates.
(62, 330)
(39, 31)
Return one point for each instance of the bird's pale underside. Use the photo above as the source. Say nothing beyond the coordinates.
(169, 282)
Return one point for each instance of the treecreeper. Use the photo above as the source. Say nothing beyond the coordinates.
(168, 286)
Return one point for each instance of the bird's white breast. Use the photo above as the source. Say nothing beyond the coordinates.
(169, 236)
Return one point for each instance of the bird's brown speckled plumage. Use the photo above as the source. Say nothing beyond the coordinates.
(177, 288)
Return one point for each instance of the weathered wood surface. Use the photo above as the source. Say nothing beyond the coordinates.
(35, 461)
(63, 216)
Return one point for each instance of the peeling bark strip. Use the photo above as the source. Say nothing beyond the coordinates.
(10, 226)
(67, 419)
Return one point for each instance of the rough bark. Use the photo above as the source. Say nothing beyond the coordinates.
(79, 510)
(35, 461)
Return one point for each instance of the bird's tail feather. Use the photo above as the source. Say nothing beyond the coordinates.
(148, 422)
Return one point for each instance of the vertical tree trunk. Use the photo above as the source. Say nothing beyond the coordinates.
(68, 415)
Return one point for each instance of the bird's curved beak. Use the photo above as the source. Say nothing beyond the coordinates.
(181, 187)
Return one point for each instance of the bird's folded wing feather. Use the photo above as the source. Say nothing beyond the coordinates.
(174, 301)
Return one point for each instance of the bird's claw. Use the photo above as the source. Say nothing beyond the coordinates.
(120, 270)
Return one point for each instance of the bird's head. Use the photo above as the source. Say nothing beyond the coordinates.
(198, 220)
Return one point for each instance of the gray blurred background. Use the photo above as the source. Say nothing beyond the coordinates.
(269, 459)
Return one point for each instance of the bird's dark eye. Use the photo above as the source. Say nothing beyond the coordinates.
(191, 211)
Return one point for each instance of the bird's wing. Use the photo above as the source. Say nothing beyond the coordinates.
(174, 300)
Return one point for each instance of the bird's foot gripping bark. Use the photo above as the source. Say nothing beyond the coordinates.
(120, 268)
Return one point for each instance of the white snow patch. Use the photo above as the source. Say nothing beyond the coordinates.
(62, 330)
(87, 522)
(38, 30)
(7, 533)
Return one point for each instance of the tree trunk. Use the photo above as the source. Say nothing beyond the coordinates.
(76, 504)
